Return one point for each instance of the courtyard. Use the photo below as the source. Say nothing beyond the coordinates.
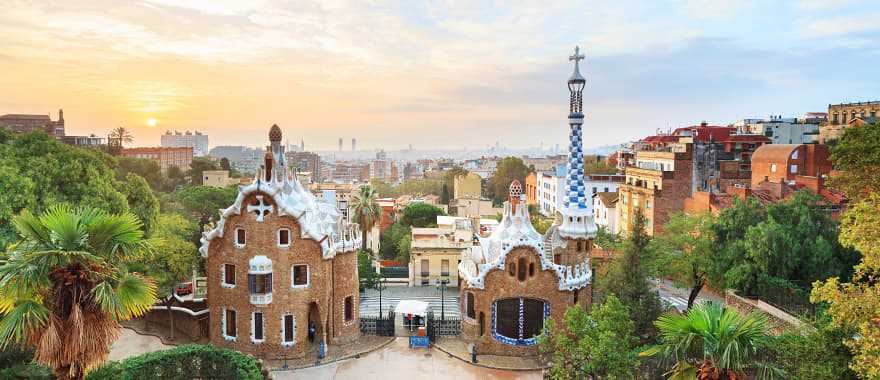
(398, 361)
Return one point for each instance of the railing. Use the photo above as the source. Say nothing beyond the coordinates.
(442, 326)
(425, 274)
(381, 326)
(261, 298)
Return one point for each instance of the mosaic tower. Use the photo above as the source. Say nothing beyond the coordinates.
(577, 223)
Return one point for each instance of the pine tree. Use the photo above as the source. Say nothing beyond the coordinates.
(627, 279)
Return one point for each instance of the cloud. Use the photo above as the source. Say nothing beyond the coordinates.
(410, 69)
(840, 25)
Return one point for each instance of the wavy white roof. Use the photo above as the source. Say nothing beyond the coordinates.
(318, 220)
(515, 230)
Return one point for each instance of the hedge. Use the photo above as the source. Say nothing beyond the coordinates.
(183, 362)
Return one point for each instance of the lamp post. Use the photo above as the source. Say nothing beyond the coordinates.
(442, 286)
(380, 286)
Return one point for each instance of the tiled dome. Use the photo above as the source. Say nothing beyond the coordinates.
(515, 189)
(275, 133)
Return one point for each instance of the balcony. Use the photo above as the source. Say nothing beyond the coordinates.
(261, 298)
(425, 274)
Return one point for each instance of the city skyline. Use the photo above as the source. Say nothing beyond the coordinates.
(400, 74)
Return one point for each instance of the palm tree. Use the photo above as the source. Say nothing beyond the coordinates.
(121, 135)
(366, 210)
(713, 342)
(64, 287)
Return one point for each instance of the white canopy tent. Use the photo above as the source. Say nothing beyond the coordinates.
(413, 307)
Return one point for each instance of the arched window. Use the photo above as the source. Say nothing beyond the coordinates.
(482, 323)
(531, 269)
(521, 266)
(511, 268)
(517, 321)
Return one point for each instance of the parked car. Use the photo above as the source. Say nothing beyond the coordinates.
(184, 288)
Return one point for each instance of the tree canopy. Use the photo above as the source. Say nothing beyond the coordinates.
(421, 215)
(37, 172)
(507, 170)
(599, 344)
(856, 304)
(684, 251)
(627, 279)
(785, 245)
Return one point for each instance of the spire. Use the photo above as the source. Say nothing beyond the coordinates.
(576, 221)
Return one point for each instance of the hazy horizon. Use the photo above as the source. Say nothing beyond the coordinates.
(435, 76)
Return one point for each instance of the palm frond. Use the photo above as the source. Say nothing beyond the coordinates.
(132, 296)
(29, 227)
(116, 236)
(25, 318)
(66, 232)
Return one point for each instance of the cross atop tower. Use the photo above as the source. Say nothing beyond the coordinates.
(576, 57)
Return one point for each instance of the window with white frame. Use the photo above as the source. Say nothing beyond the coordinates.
(228, 327)
(240, 237)
(288, 330)
(257, 334)
(794, 156)
(793, 169)
(284, 238)
(772, 168)
(299, 277)
(227, 276)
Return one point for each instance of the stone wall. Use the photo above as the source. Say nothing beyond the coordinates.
(780, 320)
(184, 324)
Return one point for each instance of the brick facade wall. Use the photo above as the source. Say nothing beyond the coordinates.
(330, 281)
(499, 284)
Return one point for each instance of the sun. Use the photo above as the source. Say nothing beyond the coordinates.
(151, 122)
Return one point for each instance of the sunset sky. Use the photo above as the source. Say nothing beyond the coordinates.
(440, 74)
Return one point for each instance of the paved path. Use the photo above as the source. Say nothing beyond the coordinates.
(398, 361)
(677, 297)
(369, 303)
(131, 344)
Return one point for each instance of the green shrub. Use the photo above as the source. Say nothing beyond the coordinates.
(16, 363)
(183, 362)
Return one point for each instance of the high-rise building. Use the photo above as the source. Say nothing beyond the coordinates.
(197, 141)
(353, 145)
(340, 144)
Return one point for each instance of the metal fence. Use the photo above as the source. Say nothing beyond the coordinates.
(381, 326)
(448, 326)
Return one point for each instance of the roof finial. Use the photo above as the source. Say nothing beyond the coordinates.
(576, 57)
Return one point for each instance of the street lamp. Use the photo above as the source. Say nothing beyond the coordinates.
(380, 286)
(442, 286)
